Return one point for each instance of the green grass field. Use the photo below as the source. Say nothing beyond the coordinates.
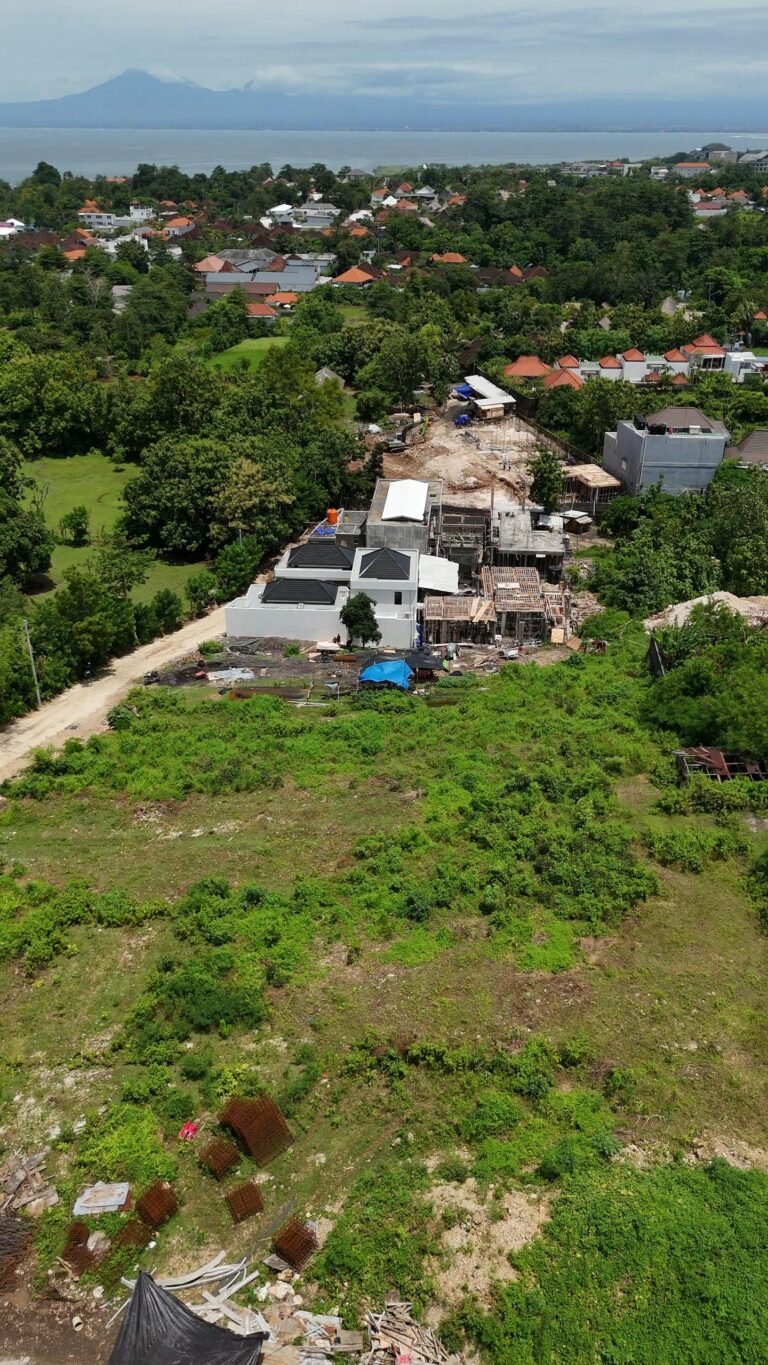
(431, 903)
(252, 350)
(95, 482)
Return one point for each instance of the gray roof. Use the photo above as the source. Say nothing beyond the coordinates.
(320, 552)
(297, 591)
(753, 449)
(387, 565)
(680, 418)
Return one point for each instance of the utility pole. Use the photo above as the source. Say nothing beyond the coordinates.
(30, 651)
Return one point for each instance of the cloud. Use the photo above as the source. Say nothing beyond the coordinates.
(510, 53)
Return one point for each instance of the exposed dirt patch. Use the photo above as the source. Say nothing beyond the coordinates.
(733, 1150)
(476, 1247)
(469, 461)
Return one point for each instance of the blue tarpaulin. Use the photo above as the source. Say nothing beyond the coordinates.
(396, 672)
(464, 390)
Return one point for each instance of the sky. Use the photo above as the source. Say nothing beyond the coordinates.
(439, 49)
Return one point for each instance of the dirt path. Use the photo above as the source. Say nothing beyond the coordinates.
(85, 706)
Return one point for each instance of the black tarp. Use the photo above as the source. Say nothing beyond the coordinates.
(159, 1330)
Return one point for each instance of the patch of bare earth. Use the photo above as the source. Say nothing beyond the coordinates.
(733, 1150)
(476, 1248)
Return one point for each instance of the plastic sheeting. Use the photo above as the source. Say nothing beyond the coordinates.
(395, 672)
(159, 1330)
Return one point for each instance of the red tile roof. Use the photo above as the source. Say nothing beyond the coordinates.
(680, 379)
(707, 343)
(633, 354)
(563, 379)
(609, 362)
(527, 367)
(260, 310)
(450, 258)
(568, 362)
(674, 356)
(517, 272)
(692, 165)
(761, 316)
(75, 255)
(179, 222)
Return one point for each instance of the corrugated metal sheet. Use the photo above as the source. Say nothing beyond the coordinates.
(438, 574)
(406, 501)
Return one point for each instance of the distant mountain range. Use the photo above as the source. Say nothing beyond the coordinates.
(137, 100)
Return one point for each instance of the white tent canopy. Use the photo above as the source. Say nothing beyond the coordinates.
(406, 501)
(437, 574)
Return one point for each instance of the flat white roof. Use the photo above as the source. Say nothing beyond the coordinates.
(487, 390)
(438, 574)
(406, 501)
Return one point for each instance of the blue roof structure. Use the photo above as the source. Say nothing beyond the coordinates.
(395, 672)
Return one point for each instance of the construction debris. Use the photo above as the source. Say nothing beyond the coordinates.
(244, 1201)
(157, 1204)
(296, 1242)
(102, 1198)
(15, 1237)
(23, 1185)
(395, 1335)
(260, 1126)
(219, 1157)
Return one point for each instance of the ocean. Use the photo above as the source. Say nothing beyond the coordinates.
(117, 151)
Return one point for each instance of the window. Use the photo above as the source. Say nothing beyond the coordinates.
(398, 599)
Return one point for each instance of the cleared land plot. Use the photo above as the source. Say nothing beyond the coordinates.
(252, 351)
(470, 460)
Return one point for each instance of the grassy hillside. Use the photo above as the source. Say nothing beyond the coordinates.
(435, 934)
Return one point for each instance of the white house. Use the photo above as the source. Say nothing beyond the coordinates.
(10, 227)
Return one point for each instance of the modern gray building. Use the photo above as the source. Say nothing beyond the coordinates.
(679, 448)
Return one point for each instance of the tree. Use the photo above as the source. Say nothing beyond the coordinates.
(75, 526)
(249, 504)
(236, 566)
(120, 567)
(359, 619)
(201, 591)
(547, 478)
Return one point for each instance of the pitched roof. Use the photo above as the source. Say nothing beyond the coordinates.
(609, 362)
(680, 380)
(568, 362)
(320, 553)
(674, 356)
(706, 342)
(563, 379)
(527, 367)
(632, 354)
(358, 231)
(355, 275)
(285, 297)
(386, 565)
(260, 310)
(179, 222)
(76, 254)
(693, 165)
(680, 418)
(213, 265)
(761, 316)
(517, 272)
(294, 591)
(449, 258)
(753, 449)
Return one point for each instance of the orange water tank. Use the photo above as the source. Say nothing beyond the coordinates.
(332, 516)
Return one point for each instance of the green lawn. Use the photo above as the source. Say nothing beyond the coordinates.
(95, 482)
(253, 349)
(354, 315)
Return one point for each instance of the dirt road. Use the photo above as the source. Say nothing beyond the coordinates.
(85, 706)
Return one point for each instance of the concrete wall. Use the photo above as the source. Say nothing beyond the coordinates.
(396, 535)
(682, 461)
(311, 623)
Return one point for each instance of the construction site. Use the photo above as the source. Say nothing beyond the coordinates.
(474, 461)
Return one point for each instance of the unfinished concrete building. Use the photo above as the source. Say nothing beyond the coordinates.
(464, 537)
(405, 514)
(527, 609)
(522, 538)
(457, 619)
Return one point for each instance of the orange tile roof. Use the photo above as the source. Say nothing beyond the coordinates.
(358, 232)
(179, 222)
(260, 310)
(680, 379)
(568, 362)
(674, 356)
(405, 188)
(707, 343)
(609, 362)
(527, 367)
(285, 297)
(693, 165)
(653, 377)
(84, 234)
(450, 258)
(761, 316)
(76, 254)
(90, 206)
(633, 354)
(353, 276)
(456, 201)
(563, 379)
(210, 265)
